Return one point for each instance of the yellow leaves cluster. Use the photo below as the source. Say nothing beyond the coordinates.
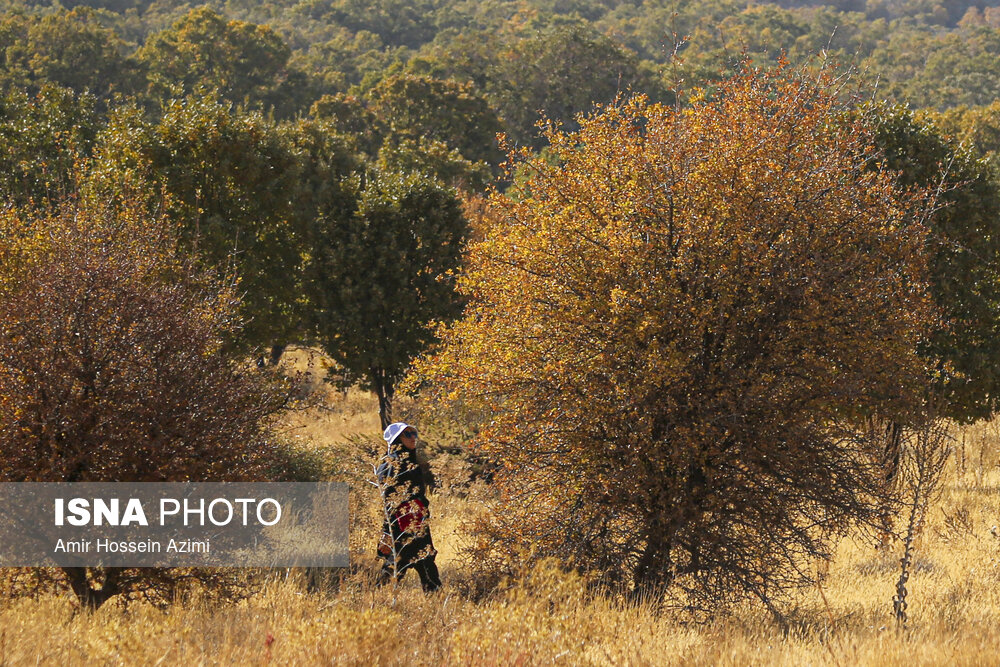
(671, 298)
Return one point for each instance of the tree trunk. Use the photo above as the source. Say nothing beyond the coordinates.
(276, 351)
(90, 597)
(892, 434)
(384, 390)
(893, 449)
(656, 566)
(653, 569)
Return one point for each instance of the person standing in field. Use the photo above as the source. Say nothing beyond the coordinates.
(406, 535)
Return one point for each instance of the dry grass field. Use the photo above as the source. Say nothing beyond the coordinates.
(552, 618)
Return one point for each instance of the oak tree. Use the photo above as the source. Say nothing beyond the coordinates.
(42, 139)
(230, 177)
(245, 62)
(66, 48)
(455, 114)
(676, 326)
(385, 271)
(965, 251)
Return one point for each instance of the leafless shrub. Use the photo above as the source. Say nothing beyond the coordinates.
(923, 460)
(957, 525)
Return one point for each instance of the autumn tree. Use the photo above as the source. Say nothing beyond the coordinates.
(676, 326)
(114, 365)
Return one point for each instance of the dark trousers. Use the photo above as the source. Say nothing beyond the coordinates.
(408, 557)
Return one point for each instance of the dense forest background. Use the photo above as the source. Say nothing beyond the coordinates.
(519, 56)
(288, 139)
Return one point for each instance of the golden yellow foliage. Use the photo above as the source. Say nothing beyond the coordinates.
(676, 322)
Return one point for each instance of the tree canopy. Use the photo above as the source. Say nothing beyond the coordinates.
(230, 179)
(386, 278)
(965, 249)
(243, 61)
(676, 325)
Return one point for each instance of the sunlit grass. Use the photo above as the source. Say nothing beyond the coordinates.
(553, 618)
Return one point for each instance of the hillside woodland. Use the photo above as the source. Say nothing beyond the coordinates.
(697, 304)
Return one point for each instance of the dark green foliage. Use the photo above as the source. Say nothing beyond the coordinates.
(521, 55)
(396, 22)
(228, 177)
(328, 162)
(561, 73)
(942, 70)
(42, 137)
(386, 276)
(71, 49)
(555, 73)
(435, 159)
(348, 114)
(418, 123)
(244, 62)
(966, 257)
(327, 194)
(454, 114)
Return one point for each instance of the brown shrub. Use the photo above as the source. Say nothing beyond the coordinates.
(114, 364)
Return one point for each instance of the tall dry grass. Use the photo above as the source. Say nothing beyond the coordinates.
(548, 617)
